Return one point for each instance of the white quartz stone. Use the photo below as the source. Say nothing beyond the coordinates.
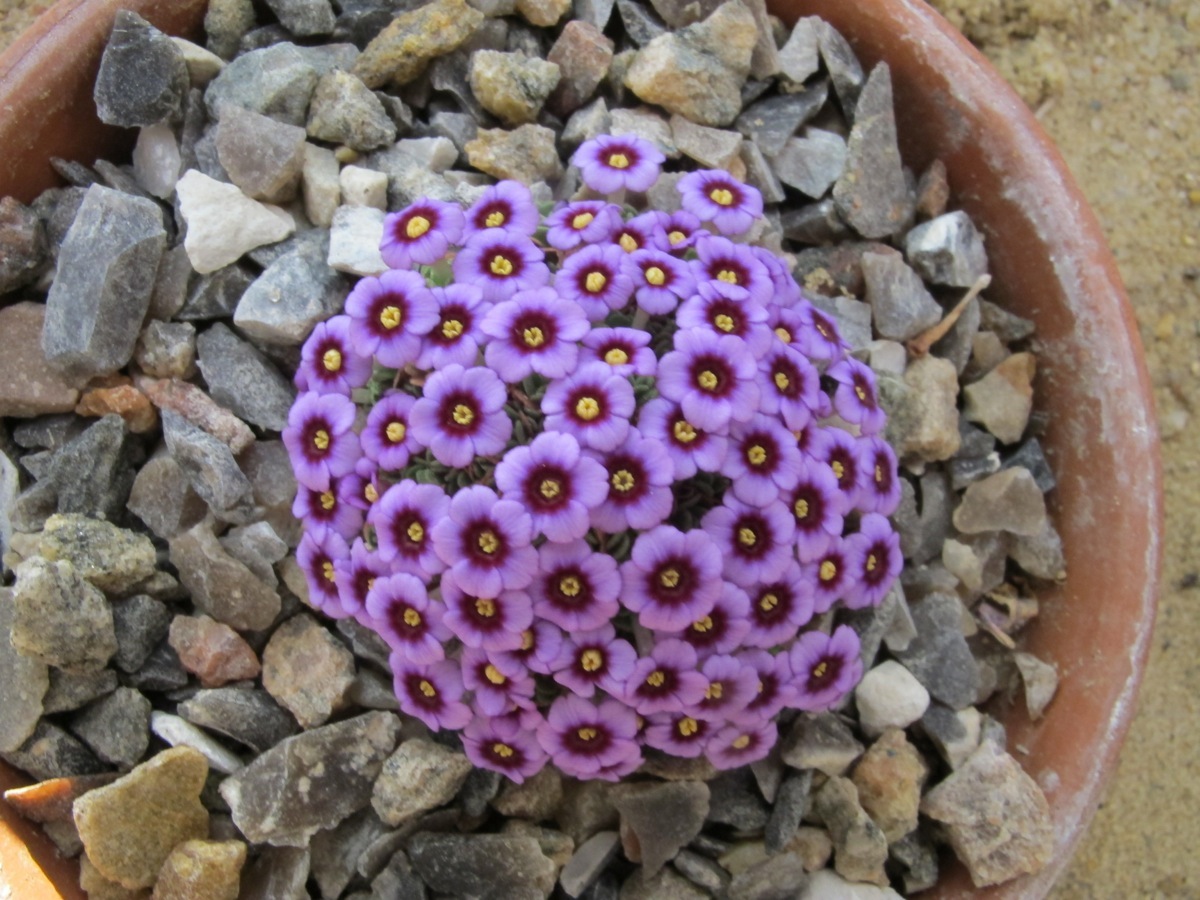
(322, 191)
(889, 697)
(180, 733)
(223, 223)
(156, 160)
(364, 187)
(354, 239)
(203, 66)
(828, 885)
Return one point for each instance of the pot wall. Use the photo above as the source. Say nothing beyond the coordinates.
(1049, 262)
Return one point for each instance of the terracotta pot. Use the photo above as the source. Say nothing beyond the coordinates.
(1049, 262)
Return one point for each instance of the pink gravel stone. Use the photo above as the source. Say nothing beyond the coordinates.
(212, 651)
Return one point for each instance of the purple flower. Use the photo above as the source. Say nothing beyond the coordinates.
(363, 487)
(403, 520)
(609, 164)
(318, 558)
(874, 556)
(740, 745)
(677, 232)
(504, 744)
(594, 404)
(665, 681)
(355, 575)
(500, 263)
(485, 542)
(819, 337)
(763, 460)
(431, 693)
(731, 685)
(461, 415)
(535, 331)
(583, 222)
(824, 668)
(818, 507)
(540, 645)
(735, 266)
(639, 475)
(491, 622)
(718, 307)
(596, 658)
(841, 451)
(626, 350)
(790, 386)
(575, 587)
(586, 740)
(421, 233)
(389, 315)
(785, 292)
(555, 483)
(856, 399)
(506, 205)
(678, 734)
(756, 541)
(329, 509)
(724, 627)
(660, 280)
(775, 689)
(830, 576)
(715, 196)
(456, 337)
(500, 685)
(779, 608)
(881, 493)
(712, 378)
(399, 609)
(671, 578)
(319, 441)
(329, 363)
(596, 279)
(387, 436)
(638, 232)
(789, 326)
(691, 449)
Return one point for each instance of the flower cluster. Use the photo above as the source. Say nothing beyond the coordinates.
(597, 477)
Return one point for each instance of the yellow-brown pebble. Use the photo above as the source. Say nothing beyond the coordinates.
(400, 52)
(208, 869)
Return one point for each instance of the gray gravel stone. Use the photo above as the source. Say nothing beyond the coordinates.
(345, 111)
(1007, 501)
(278, 872)
(799, 57)
(666, 884)
(842, 64)
(167, 349)
(160, 672)
(822, 742)
(482, 865)
(215, 295)
(734, 800)
(901, 304)
(206, 462)
(162, 498)
(771, 122)
(335, 852)
(641, 24)
(947, 250)
(918, 858)
(587, 862)
(72, 689)
(859, 847)
(59, 618)
(788, 810)
(296, 291)
(23, 247)
(116, 727)
(241, 378)
(140, 623)
(51, 752)
(712, 148)
(222, 587)
(143, 77)
(811, 163)
(225, 22)
(248, 716)
(304, 18)
(262, 156)
(25, 681)
(939, 656)
(276, 81)
(658, 819)
(776, 878)
(104, 279)
(418, 777)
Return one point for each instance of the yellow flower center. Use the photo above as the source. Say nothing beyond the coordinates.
(676, 236)
(502, 750)
(463, 414)
(581, 221)
(415, 532)
(618, 161)
(747, 537)
(860, 393)
(396, 431)
(782, 381)
(416, 227)
(725, 322)
(485, 607)
(595, 282)
(828, 570)
(550, 488)
(741, 742)
(768, 602)
(332, 359)
(451, 329)
(494, 675)
(527, 639)
(627, 242)
(500, 266)
(327, 500)
(656, 276)
(878, 474)
(488, 542)
(587, 734)
(587, 408)
(801, 509)
(494, 219)
(389, 317)
(669, 578)
(872, 562)
(657, 678)
(688, 726)
(533, 336)
(683, 431)
(321, 439)
(783, 334)
(703, 626)
(591, 660)
(327, 570)
(838, 469)
(623, 481)
(756, 455)
(412, 618)
(370, 493)
(728, 276)
(616, 357)
(569, 586)
(721, 196)
(707, 380)
(715, 691)
(427, 689)
(820, 669)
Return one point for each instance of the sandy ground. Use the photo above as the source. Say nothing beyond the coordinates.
(1117, 84)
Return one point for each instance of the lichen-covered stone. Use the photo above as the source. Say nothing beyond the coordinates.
(166, 349)
(512, 86)
(201, 869)
(889, 779)
(343, 110)
(859, 847)
(526, 154)
(111, 558)
(400, 52)
(142, 78)
(59, 618)
(25, 683)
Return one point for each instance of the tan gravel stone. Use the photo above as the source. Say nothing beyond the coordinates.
(202, 869)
